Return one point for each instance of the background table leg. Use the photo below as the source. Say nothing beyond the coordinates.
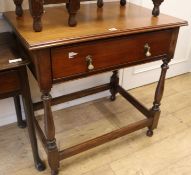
(36, 10)
(123, 2)
(20, 122)
(73, 7)
(30, 118)
(19, 9)
(100, 3)
(156, 9)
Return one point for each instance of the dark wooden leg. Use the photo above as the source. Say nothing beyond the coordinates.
(114, 82)
(123, 2)
(21, 123)
(156, 9)
(155, 110)
(100, 3)
(53, 154)
(36, 10)
(19, 9)
(27, 102)
(68, 7)
(73, 7)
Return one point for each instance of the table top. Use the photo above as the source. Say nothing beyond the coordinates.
(111, 20)
(9, 50)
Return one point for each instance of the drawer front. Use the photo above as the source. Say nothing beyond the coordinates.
(72, 60)
(9, 81)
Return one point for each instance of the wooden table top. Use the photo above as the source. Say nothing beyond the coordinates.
(93, 23)
(9, 50)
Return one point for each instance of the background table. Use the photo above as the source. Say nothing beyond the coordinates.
(14, 82)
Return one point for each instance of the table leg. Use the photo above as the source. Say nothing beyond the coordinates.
(68, 6)
(30, 118)
(53, 154)
(155, 110)
(156, 9)
(73, 7)
(123, 2)
(19, 9)
(100, 3)
(21, 123)
(114, 82)
(36, 10)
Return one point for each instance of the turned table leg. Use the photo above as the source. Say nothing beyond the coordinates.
(19, 9)
(114, 82)
(156, 9)
(155, 110)
(20, 122)
(30, 118)
(73, 6)
(68, 6)
(36, 10)
(100, 3)
(53, 154)
(123, 2)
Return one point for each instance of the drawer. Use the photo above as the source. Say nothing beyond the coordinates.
(105, 54)
(9, 81)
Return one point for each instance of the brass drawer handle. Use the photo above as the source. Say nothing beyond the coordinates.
(147, 50)
(89, 62)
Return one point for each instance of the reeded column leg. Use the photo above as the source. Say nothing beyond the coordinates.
(114, 82)
(156, 9)
(73, 6)
(20, 122)
(53, 154)
(36, 10)
(155, 110)
(30, 118)
(19, 9)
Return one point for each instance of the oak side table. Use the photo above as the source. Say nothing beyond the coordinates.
(72, 6)
(14, 82)
(104, 40)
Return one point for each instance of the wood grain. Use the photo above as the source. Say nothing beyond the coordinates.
(169, 150)
(9, 82)
(119, 37)
(9, 50)
(108, 53)
(92, 23)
